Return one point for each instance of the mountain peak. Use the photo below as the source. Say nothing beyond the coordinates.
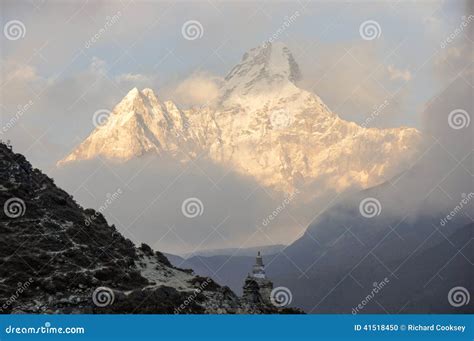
(132, 95)
(273, 59)
(261, 69)
(139, 124)
(279, 60)
(133, 92)
(148, 92)
(131, 100)
(263, 124)
(137, 101)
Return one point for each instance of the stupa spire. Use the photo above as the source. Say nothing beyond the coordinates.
(258, 270)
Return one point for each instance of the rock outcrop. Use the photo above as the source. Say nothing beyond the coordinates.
(51, 261)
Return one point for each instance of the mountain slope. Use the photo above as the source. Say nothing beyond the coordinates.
(407, 240)
(64, 265)
(264, 126)
(137, 125)
(421, 286)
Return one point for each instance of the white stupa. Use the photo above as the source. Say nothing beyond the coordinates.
(257, 287)
(258, 270)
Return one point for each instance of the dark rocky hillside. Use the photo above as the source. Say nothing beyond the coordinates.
(51, 261)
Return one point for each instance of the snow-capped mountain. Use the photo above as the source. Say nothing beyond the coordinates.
(263, 125)
(265, 73)
(137, 125)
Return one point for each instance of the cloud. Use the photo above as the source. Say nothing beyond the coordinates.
(442, 175)
(135, 78)
(452, 61)
(398, 74)
(432, 20)
(18, 72)
(353, 82)
(234, 207)
(60, 109)
(198, 89)
(98, 65)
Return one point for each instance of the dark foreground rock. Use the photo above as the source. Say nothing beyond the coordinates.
(55, 259)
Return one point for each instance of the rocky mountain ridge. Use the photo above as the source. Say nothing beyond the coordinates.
(51, 261)
(263, 125)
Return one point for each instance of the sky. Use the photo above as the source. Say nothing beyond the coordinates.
(73, 58)
(68, 77)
